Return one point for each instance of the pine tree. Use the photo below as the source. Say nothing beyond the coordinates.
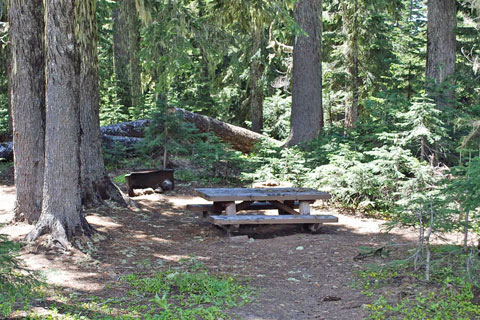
(62, 215)
(307, 111)
(441, 44)
(27, 91)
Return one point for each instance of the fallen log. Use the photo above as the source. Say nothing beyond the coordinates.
(239, 138)
(128, 134)
(6, 151)
(128, 143)
(134, 129)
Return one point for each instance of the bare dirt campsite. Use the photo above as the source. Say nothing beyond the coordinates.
(293, 274)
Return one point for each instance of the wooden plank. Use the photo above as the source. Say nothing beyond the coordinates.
(252, 206)
(262, 219)
(244, 205)
(284, 207)
(261, 194)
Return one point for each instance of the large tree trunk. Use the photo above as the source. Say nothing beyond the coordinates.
(307, 112)
(441, 44)
(95, 183)
(61, 211)
(28, 105)
(256, 87)
(126, 36)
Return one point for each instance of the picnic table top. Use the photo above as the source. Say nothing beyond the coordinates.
(261, 194)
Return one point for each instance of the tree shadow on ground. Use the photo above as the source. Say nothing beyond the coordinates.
(292, 270)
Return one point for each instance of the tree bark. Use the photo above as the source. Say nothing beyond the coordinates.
(441, 45)
(307, 111)
(61, 211)
(239, 138)
(27, 91)
(351, 111)
(126, 36)
(95, 183)
(256, 87)
(127, 129)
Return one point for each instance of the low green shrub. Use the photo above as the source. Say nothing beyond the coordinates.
(17, 286)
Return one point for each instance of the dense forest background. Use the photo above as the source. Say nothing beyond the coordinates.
(387, 143)
(376, 102)
(224, 59)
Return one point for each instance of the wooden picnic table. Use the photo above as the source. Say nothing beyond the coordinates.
(286, 200)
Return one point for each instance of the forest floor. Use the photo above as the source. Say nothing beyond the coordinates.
(294, 274)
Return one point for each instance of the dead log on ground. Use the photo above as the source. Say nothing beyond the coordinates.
(128, 134)
(6, 151)
(134, 129)
(128, 143)
(240, 138)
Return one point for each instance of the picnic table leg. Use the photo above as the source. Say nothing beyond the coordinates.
(231, 210)
(304, 207)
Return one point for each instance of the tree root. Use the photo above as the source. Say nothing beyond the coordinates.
(59, 232)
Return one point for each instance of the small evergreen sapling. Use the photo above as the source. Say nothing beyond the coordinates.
(423, 129)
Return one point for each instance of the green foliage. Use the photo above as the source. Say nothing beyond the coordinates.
(17, 286)
(423, 127)
(466, 186)
(169, 295)
(274, 163)
(190, 289)
(450, 295)
(208, 155)
(277, 116)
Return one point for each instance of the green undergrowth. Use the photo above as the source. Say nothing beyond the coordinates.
(172, 294)
(18, 287)
(399, 292)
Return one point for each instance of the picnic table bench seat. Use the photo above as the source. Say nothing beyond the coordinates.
(221, 220)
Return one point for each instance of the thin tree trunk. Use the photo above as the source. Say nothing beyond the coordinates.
(95, 183)
(441, 44)
(351, 112)
(256, 88)
(126, 37)
(27, 92)
(135, 70)
(465, 232)
(61, 211)
(423, 143)
(307, 111)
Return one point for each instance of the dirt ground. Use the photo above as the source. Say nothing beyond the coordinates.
(297, 275)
